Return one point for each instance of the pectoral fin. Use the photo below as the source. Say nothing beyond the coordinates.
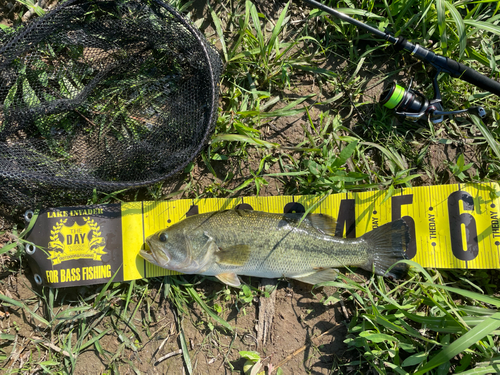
(319, 276)
(236, 255)
(229, 278)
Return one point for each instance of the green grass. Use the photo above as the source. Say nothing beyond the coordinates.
(423, 325)
(262, 66)
(303, 65)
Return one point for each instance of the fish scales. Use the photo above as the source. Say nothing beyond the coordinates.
(241, 242)
(278, 247)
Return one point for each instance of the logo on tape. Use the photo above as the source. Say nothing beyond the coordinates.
(69, 242)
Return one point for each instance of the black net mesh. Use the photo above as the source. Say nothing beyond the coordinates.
(103, 95)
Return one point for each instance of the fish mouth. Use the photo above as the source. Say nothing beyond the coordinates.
(153, 256)
(148, 255)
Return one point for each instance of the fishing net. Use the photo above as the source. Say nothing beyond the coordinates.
(104, 95)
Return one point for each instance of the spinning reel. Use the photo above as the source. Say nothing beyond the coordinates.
(412, 105)
(409, 103)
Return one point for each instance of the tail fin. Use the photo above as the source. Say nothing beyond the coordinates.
(388, 243)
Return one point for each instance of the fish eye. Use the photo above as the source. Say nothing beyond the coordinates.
(163, 237)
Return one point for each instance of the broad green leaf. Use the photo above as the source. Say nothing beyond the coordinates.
(345, 154)
(404, 180)
(9, 99)
(378, 337)
(44, 78)
(29, 95)
(250, 355)
(314, 168)
(389, 194)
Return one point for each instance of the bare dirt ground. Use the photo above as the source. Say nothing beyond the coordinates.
(305, 336)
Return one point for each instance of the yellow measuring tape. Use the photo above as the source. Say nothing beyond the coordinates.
(451, 226)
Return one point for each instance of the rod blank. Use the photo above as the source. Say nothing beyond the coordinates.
(441, 63)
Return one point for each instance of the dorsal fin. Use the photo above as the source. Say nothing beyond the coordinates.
(321, 222)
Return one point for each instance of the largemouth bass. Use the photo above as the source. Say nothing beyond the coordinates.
(235, 242)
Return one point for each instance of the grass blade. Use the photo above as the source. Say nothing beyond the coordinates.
(220, 32)
(441, 13)
(277, 30)
(13, 302)
(482, 371)
(105, 288)
(396, 159)
(184, 347)
(243, 138)
(486, 26)
(256, 25)
(466, 293)
(349, 11)
(208, 310)
(8, 247)
(464, 342)
(459, 22)
(94, 339)
(345, 154)
(487, 135)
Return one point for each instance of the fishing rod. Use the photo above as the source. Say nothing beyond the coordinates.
(408, 102)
